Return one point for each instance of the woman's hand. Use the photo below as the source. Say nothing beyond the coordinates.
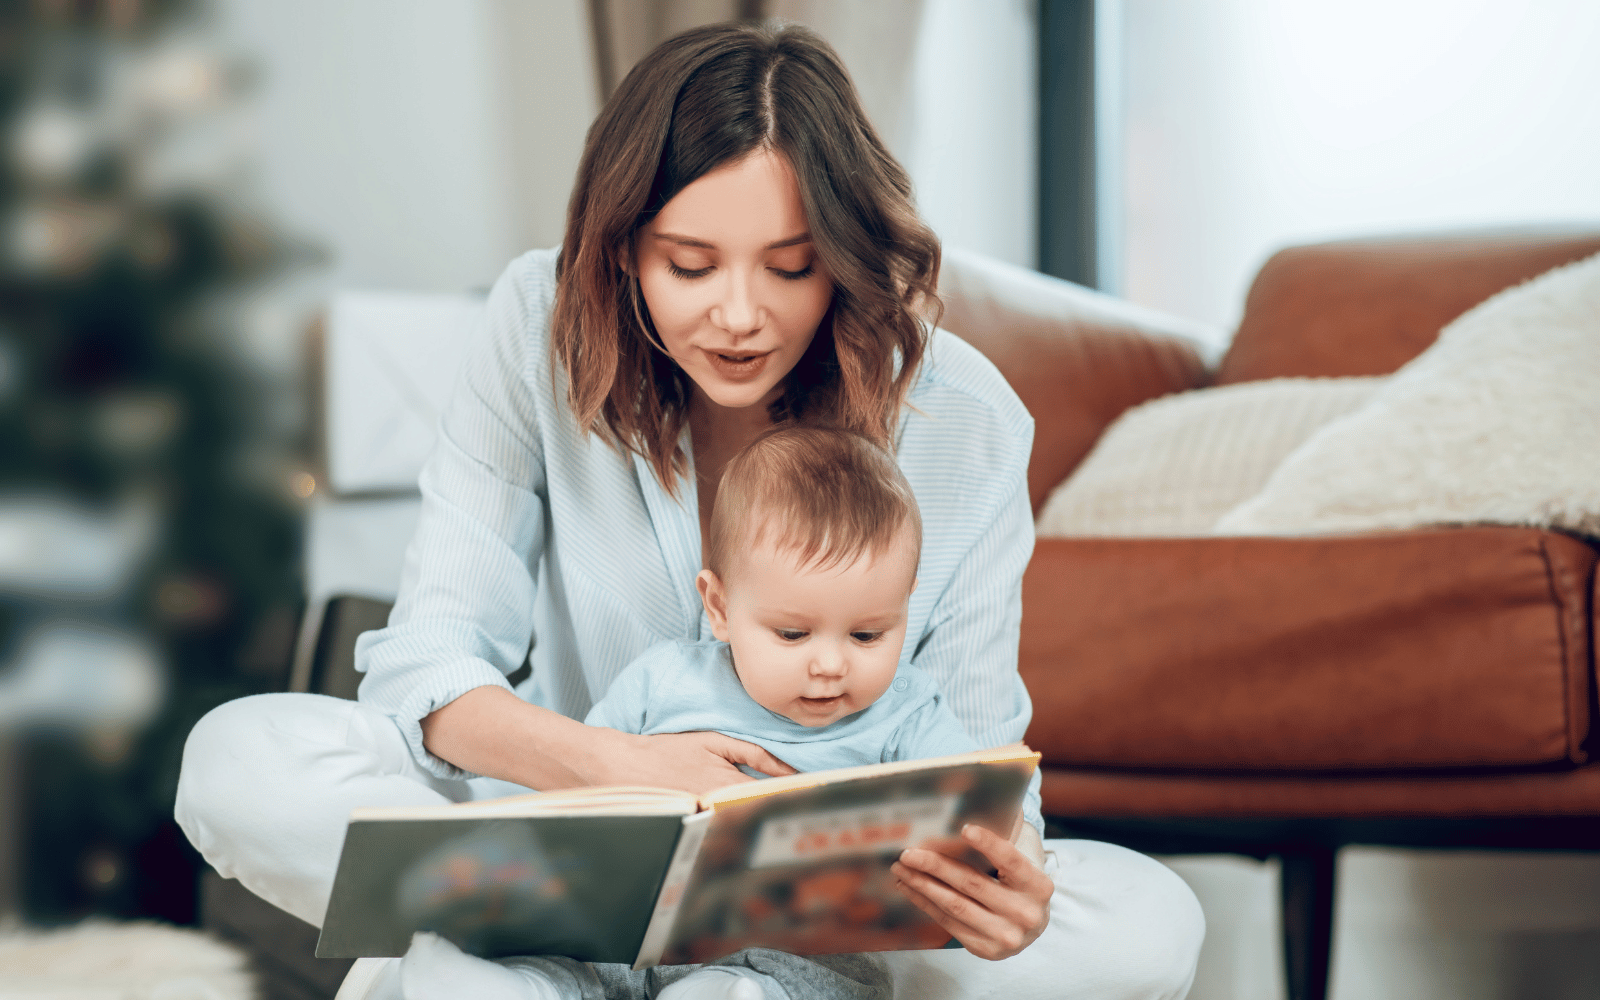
(692, 762)
(993, 917)
(490, 731)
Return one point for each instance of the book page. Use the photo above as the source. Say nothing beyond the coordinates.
(811, 779)
(620, 800)
(806, 869)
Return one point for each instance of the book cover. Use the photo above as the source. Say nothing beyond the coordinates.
(649, 876)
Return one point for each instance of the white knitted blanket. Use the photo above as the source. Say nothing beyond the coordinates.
(1498, 422)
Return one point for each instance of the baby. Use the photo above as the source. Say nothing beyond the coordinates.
(812, 556)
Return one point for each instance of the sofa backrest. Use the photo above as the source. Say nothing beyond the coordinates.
(1366, 307)
(1076, 358)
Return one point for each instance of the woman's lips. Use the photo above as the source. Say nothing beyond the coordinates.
(737, 367)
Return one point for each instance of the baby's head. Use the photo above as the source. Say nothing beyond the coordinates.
(812, 557)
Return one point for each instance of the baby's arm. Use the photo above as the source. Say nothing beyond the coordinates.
(625, 702)
(626, 707)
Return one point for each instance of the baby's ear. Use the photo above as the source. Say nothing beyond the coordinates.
(715, 597)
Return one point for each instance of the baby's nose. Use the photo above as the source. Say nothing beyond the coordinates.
(829, 662)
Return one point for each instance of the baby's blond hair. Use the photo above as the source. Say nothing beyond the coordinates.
(830, 495)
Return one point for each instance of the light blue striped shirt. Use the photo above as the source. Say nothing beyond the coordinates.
(534, 535)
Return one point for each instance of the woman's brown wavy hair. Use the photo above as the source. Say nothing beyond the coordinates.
(708, 97)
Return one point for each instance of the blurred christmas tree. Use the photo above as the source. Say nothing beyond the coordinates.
(147, 479)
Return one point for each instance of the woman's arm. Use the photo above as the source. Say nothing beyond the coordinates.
(464, 618)
(492, 732)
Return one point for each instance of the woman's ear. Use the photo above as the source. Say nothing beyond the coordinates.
(715, 597)
(628, 257)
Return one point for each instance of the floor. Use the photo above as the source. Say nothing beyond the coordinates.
(1413, 925)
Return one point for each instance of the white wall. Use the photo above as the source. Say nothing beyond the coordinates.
(1255, 124)
(423, 144)
(952, 88)
(971, 145)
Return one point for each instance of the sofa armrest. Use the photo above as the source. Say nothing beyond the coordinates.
(1076, 358)
(1464, 647)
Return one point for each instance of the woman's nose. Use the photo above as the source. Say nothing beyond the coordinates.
(738, 312)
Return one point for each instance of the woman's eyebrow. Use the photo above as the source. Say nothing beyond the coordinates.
(690, 241)
(687, 241)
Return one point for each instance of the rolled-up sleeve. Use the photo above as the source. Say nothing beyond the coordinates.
(464, 615)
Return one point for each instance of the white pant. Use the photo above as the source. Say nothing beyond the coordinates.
(268, 783)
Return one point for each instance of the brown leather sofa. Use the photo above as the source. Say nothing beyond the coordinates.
(1291, 695)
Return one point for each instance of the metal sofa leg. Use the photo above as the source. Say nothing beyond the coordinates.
(1307, 887)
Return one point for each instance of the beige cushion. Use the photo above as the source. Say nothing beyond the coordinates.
(1175, 465)
(1496, 423)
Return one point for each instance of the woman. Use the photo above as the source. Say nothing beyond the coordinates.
(740, 250)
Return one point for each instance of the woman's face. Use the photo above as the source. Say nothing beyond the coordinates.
(732, 281)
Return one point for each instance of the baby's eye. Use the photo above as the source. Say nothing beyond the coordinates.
(790, 634)
(866, 636)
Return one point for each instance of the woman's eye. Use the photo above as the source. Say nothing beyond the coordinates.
(790, 634)
(804, 272)
(685, 273)
(866, 636)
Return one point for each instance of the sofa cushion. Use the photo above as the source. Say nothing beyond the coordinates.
(1174, 465)
(1075, 357)
(1366, 307)
(1430, 649)
(1495, 423)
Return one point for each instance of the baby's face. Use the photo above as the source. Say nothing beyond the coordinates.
(813, 645)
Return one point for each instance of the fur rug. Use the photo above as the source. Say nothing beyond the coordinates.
(99, 960)
(1498, 422)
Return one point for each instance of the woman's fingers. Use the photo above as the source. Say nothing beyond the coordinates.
(1014, 869)
(982, 931)
(739, 752)
(696, 762)
(963, 932)
(992, 921)
(994, 918)
(1014, 895)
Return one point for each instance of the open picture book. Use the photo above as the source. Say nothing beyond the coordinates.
(648, 876)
